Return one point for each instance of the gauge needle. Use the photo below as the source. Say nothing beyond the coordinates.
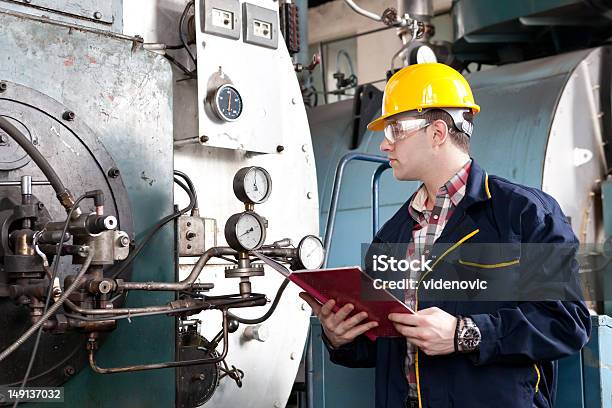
(229, 101)
(247, 231)
(255, 183)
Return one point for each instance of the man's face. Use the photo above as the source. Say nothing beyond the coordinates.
(411, 156)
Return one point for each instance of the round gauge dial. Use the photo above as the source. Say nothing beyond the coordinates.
(424, 54)
(245, 231)
(252, 185)
(227, 103)
(311, 252)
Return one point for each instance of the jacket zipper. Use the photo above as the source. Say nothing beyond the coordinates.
(416, 305)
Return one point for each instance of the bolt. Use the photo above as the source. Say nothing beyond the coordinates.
(69, 116)
(3, 139)
(69, 371)
(97, 15)
(41, 206)
(280, 148)
(3, 86)
(124, 241)
(191, 235)
(202, 377)
(204, 139)
(277, 404)
(113, 172)
(83, 251)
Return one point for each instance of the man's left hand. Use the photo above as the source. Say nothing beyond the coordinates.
(432, 330)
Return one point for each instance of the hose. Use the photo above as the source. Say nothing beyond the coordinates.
(19, 342)
(63, 194)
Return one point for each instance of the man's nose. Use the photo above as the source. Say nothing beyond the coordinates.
(385, 146)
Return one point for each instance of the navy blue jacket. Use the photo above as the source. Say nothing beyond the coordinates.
(515, 365)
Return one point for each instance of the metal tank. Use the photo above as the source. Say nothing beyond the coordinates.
(91, 89)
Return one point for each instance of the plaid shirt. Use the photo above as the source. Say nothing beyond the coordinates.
(428, 228)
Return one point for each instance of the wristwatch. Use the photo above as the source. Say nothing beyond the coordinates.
(468, 335)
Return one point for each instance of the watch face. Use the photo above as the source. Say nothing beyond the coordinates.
(471, 338)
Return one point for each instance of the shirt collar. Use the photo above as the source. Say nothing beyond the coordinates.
(454, 188)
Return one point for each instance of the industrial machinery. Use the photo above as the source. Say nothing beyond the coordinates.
(113, 284)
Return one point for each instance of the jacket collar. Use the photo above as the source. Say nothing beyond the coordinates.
(477, 188)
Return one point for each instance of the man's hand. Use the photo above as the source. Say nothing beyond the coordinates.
(338, 329)
(432, 330)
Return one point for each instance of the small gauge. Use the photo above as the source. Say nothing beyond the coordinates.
(422, 54)
(252, 185)
(227, 103)
(245, 231)
(311, 252)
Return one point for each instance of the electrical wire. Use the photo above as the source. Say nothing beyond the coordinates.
(56, 262)
(185, 177)
(153, 230)
(19, 342)
(182, 35)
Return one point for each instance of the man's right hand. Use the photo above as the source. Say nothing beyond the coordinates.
(338, 329)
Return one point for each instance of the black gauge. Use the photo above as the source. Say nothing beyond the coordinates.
(245, 231)
(227, 103)
(252, 185)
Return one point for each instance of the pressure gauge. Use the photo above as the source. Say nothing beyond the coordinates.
(227, 103)
(245, 231)
(311, 252)
(252, 185)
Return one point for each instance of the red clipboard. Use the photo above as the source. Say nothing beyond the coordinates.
(352, 285)
(347, 285)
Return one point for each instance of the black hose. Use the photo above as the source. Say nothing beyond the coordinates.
(265, 317)
(190, 185)
(42, 163)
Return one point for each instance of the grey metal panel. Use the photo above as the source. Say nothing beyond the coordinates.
(100, 14)
(124, 94)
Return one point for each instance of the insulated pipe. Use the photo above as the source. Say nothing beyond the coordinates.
(63, 194)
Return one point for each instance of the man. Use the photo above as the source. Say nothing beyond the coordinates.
(457, 353)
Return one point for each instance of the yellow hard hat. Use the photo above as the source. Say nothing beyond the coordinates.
(424, 86)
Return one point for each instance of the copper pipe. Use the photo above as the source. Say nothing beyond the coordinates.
(170, 364)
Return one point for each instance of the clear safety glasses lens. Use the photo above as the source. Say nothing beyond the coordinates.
(402, 128)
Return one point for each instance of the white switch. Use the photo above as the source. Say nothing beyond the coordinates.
(223, 18)
(262, 29)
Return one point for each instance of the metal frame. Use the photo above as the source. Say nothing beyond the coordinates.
(333, 208)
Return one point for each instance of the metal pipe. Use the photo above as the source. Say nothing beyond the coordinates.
(187, 282)
(331, 217)
(63, 194)
(362, 11)
(170, 364)
(375, 190)
(18, 183)
(9, 350)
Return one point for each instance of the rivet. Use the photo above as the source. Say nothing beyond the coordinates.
(309, 195)
(97, 15)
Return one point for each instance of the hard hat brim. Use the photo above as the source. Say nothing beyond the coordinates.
(378, 124)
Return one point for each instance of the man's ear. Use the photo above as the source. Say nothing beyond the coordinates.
(440, 130)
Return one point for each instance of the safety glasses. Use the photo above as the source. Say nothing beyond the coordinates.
(400, 129)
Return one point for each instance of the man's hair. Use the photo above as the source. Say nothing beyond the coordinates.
(458, 138)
